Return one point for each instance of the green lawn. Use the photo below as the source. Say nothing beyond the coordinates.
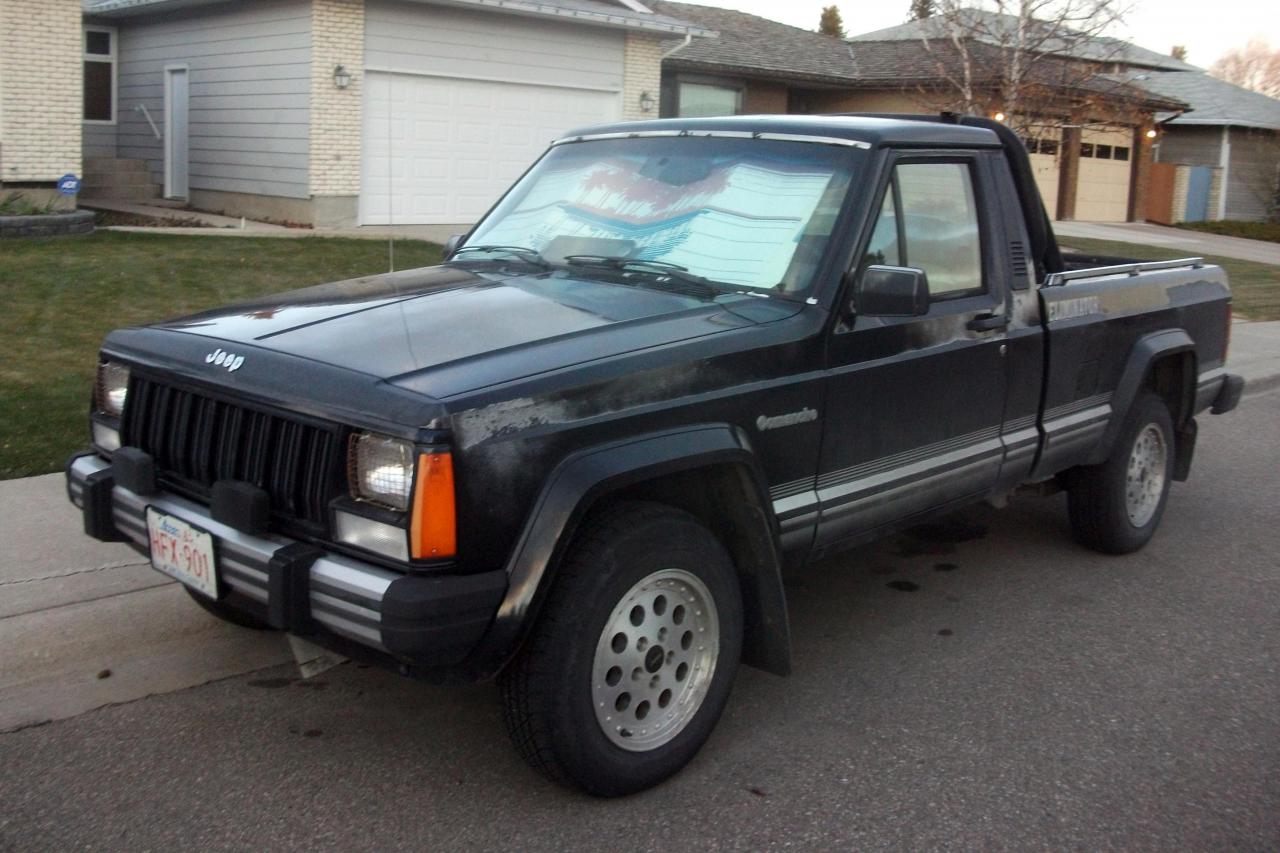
(1255, 288)
(1269, 231)
(60, 297)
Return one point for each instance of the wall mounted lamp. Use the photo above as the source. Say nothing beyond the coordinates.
(341, 77)
(647, 103)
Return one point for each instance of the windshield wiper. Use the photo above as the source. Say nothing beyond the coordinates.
(700, 286)
(524, 253)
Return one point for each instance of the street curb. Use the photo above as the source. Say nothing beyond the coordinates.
(1261, 385)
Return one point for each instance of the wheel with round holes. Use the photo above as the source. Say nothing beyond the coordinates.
(1116, 506)
(631, 661)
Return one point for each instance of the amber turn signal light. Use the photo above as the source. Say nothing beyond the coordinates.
(433, 532)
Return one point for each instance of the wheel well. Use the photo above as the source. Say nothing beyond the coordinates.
(725, 499)
(1172, 377)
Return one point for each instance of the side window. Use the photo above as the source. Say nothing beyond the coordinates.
(929, 221)
(940, 226)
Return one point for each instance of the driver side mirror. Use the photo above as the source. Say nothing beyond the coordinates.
(451, 245)
(892, 292)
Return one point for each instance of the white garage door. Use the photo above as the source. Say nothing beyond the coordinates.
(442, 150)
(1102, 194)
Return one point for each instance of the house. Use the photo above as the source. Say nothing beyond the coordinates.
(1090, 148)
(1222, 158)
(326, 112)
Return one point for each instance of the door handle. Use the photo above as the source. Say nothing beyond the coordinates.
(987, 322)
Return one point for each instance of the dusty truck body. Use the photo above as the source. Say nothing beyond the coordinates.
(675, 357)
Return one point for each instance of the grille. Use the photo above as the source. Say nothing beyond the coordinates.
(197, 440)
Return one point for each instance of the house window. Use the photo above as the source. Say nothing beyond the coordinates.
(709, 99)
(1103, 152)
(100, 75)
(1121, 152)
(1086, 149)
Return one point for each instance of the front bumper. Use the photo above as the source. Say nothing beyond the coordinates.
(419, 621)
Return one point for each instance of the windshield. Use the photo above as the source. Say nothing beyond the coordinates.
(752, 214)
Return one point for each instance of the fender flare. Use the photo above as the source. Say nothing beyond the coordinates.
(1145, 352)
(586, 476)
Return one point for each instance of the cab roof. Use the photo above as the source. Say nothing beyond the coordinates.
(894, 131)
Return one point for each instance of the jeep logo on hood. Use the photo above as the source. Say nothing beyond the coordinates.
(225, 359)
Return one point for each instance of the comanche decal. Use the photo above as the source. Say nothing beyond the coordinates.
(803, 416)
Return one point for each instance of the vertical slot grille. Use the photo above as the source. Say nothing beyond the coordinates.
(198, 440)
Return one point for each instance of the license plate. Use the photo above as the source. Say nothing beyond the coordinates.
(182, 551)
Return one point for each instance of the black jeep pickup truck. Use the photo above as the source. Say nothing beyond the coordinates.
(674, 358)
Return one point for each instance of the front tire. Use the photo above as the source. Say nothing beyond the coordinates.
(1116, 507)
(632, 658)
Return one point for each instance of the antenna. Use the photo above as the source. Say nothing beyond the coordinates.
(391, 185)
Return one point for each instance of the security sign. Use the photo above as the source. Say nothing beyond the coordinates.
(68, 185)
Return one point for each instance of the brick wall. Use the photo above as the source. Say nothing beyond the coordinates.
(641, 72)
(41, 94)
(337, 39)
(761, 97)
(1180, 180)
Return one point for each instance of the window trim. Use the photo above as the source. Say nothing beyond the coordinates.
(738, 86)
(113, 58)
(970, 162)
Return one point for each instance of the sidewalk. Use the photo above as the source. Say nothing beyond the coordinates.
(1195, 243)
(85, 624)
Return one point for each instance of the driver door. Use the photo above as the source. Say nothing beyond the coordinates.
(915, 402)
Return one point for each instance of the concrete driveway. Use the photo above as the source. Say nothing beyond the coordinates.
(1193, 243)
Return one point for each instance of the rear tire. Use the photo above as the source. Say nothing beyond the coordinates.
(1116, 507)
(633, 655)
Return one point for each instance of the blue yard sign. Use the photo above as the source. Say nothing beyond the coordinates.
(68, 185)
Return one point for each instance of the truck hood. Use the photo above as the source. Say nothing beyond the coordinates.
(444, 331)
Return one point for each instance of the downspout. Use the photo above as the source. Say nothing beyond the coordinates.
(688, 39)
(1224, 162)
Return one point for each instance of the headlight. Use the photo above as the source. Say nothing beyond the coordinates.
(380, 469)
(112, 388)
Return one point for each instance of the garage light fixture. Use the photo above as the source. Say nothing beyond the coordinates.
(999, 116)
(1152, 134)
(341, 77)
(647, 103)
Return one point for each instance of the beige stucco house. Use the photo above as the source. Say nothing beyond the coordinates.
(1090, 149)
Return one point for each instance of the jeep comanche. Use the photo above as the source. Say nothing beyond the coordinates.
(674, 358)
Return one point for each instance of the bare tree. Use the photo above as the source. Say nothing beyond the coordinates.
(1179, 51)
(1255, 66)
(1016, 55)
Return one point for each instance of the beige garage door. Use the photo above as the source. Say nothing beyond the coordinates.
(1102, 194)
(1044, 150)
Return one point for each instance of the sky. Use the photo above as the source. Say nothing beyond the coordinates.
(1208, 29)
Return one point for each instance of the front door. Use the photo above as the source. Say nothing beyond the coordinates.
(914, 403)
(177, 129)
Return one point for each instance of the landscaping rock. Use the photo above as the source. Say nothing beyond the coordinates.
(49, 225)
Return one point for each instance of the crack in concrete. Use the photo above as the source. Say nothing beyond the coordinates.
(162, 583)
(107, 567)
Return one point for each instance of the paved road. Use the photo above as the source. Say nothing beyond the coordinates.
(1025, 694)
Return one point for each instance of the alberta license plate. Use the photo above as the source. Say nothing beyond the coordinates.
(182, 552)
